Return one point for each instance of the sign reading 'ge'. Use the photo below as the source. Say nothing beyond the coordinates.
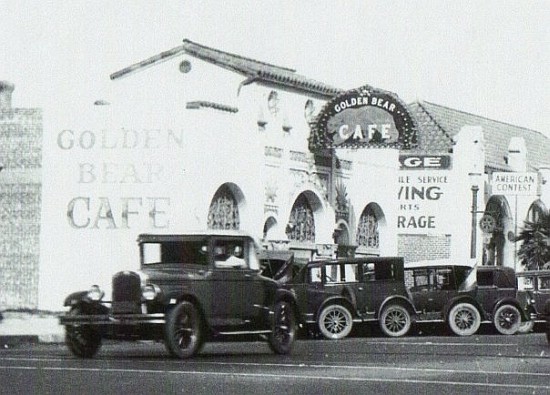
(425, 162)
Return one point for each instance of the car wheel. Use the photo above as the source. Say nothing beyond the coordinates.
(526, 326)
(82, 340)
(464, 319)
(283, 332)
(507, 319)
(395, 321)
(335, 322)
(183, 331)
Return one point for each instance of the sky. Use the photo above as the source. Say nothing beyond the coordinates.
(489, 58)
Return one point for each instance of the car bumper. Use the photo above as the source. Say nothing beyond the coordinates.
(112, 319)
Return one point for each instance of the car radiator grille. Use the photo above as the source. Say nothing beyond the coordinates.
(126, 293)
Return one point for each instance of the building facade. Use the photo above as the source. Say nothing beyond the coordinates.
(227, 143)
(20, 201)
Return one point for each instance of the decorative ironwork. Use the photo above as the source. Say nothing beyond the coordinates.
(367, 230)
(301, 224)
(224, 211)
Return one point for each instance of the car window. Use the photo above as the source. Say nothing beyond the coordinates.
(351, 273)
(185, 252)
(525, 283)
(544, 283)
(333, 274)
(422, 279)
(230, 254)
(445, 279)
(368, 272)
(485, 278)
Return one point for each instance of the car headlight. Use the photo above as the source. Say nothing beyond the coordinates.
(150, 291)
(95, 293)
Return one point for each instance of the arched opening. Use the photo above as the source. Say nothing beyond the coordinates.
(224, 208)
(498, 249)
(301, 222)
(270, 228)
(342, 240)
(536, 211)
(369, 229)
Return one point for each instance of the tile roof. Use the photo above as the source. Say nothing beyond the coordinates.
(438, 125)
(254, 71)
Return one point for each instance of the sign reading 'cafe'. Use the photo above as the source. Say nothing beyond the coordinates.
(362, 118)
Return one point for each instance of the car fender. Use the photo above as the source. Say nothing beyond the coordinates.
(88, 306)
(289, 295)
(398, 299)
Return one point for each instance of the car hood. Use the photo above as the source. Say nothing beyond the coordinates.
(277, 265)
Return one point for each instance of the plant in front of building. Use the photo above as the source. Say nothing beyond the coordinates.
(534, 252)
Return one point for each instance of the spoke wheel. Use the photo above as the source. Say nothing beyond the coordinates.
(526, 326)
(395, 321)
(283, 332)
(82, 340)
(464, 319)
(335, 322)
(507, 319)
(183, 331)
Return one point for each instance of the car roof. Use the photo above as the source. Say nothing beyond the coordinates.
(367, 259)
(533, 273)
(276, 254)
(436, 263)
(150, 237)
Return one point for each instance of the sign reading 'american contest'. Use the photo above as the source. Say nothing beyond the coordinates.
(364, 117)
(519, 184)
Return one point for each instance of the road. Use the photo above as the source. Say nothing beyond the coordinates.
(479, 364)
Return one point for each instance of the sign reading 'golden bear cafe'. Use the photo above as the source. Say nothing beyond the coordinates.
(364, 118)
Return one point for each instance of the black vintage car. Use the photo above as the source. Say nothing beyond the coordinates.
(190, 288)
(534, 292)
(464, 296)
(333, 294)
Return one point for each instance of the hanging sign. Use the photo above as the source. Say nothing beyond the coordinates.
(364, 118)
(519, 184)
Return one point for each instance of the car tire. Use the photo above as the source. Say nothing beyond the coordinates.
(183, 331)
(82, 340)
(507, 319)
(283, 332)
(395, 320)
(526, 326)
(335, 322)
(464, 319)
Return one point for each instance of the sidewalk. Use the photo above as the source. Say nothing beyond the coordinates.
(27, 327)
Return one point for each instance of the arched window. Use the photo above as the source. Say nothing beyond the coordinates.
(367, 230)
(536, 211)
(301, 224)
(224, 210)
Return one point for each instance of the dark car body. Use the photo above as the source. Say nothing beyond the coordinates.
(465, 296)
(189, 288)
(333, 294)
(534, 293)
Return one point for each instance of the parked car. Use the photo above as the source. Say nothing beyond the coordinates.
(333, 294)
(464, 296)
(547, 311)
(534, 292)
(189, 289)
(278, 265)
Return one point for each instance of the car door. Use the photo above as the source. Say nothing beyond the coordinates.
(238, 292)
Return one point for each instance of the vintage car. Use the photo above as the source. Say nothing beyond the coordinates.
(190, 288)
(534, 292)
(464, 296)
(333, 294)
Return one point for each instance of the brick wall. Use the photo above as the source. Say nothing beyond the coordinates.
(20, 206)
(422, 247)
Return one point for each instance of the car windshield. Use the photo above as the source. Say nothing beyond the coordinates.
(184, 252)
